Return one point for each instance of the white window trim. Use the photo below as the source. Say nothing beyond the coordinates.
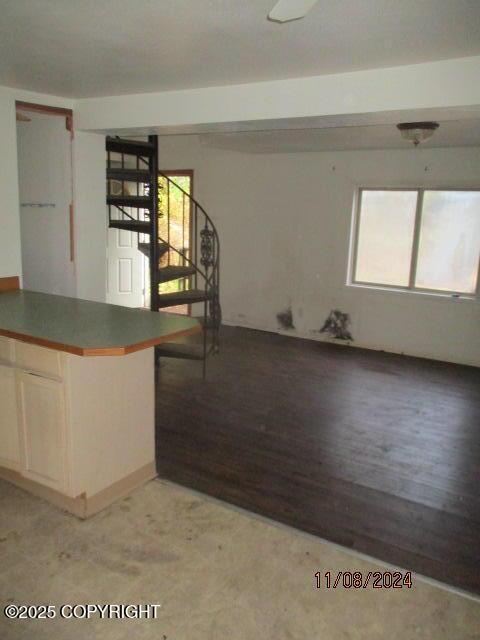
(410, 288)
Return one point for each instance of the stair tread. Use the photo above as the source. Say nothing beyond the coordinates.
(129, 147)
(180, 350)
(172, 272)
(144, 247)
(130, 175)
(181, 297)
(208, 324)
(137, 226)
(142, 202)
(143, 143)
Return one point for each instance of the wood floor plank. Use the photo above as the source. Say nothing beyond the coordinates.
(374, 451)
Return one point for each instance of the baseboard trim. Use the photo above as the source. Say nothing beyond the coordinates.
(83, 506)
(120, 489)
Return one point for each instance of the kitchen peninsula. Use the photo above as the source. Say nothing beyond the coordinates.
(77, 414)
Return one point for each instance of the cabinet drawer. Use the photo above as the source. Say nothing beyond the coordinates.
(6, 350)
(39, 359)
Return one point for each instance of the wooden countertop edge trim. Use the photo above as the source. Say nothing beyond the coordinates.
(99, 351)
(138, 346)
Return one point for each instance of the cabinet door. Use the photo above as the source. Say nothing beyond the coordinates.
(9, 439)
(42, 415)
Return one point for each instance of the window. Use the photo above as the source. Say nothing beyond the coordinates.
(418, 239)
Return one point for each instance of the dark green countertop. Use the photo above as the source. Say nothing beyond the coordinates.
(86, 328)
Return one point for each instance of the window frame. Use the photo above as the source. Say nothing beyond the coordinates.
(411, 288)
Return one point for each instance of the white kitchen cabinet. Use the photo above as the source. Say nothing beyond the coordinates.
(43, 429)
(77, 388)
(9, 436)
(78, 431)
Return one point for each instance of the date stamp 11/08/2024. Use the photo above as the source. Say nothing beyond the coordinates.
(360, 580)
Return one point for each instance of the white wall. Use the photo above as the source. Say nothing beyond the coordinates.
(90, 215)
(10, 254)
(45, 177)
(284, 223)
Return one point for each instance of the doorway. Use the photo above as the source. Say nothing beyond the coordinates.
(128, 267)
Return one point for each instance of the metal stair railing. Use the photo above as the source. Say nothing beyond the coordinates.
(205, 258)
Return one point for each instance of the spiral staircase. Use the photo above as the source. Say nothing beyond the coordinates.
(133, 205)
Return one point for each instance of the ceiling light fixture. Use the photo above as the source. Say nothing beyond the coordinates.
(417, 132)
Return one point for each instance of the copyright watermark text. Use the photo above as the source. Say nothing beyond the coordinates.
(82, 611)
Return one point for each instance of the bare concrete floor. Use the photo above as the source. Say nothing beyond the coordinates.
(218, 574)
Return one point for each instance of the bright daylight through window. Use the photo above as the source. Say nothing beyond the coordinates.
(421, 240)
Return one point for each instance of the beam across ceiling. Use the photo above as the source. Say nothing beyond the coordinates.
(446, 84)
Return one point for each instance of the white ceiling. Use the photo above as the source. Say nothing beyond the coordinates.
(454, 133)
(110, 47)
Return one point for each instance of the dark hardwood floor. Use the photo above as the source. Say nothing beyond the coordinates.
(374, 451)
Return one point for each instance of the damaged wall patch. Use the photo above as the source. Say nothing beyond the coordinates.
(337, 325)
(285, 319)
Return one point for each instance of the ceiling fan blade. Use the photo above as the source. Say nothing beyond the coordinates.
(286, 10)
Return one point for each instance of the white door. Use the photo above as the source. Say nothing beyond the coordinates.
(9, 444)
(124, 267)
(42, 417)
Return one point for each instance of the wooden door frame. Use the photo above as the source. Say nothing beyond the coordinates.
(48, 110)
(188, 173)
